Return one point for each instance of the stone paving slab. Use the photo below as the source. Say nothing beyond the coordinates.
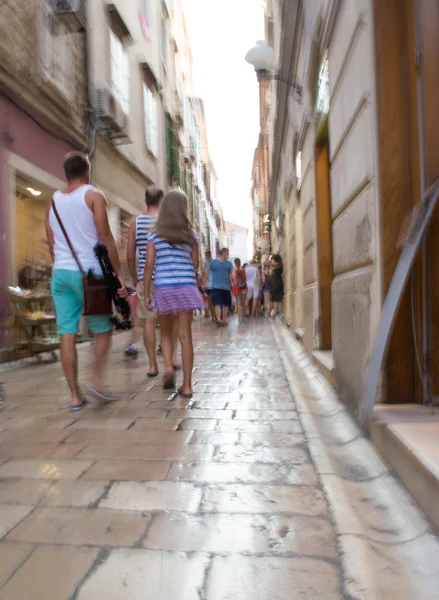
(156, 496)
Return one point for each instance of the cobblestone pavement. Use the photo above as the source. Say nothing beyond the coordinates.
(156, 497)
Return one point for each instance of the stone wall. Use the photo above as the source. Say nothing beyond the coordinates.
(356, 296)
(22, 75)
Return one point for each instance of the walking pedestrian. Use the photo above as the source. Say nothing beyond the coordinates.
(81, 210)
(239, 289)
(132, 350)
(221, 270)
(173, 253)
(136, 257)
(207, 285)
(276, 284)
(266, 274)
(253, 286)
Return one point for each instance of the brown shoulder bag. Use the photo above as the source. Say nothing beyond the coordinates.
(97, 299)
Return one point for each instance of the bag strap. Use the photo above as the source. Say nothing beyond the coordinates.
(63, 229)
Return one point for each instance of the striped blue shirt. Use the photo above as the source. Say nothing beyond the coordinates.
(144, 224)
(173, 264)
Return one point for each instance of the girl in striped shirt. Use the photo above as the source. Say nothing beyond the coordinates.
(172, 255)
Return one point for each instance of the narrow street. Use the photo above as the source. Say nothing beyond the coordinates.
(217, 498)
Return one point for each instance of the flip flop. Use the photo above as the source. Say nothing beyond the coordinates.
(169, 381)
(99, 394)
(188, 396)
(80, 406)
(152, 374)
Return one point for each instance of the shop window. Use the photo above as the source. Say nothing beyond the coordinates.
(120, 72)
(56, 51)
(151, 120)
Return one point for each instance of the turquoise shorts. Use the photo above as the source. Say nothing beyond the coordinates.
(68, 297)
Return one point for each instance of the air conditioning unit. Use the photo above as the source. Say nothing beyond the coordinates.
(71, 13)
(110, 112)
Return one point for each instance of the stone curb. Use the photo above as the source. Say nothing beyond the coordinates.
(389, 550)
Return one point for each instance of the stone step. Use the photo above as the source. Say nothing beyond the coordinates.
(324, 360)
(407, 436)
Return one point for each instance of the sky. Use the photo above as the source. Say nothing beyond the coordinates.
(221, 33)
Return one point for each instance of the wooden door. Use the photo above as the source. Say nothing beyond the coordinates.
(428, 64)
(324, 243)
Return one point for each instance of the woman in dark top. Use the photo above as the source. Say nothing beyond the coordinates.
(276, 283)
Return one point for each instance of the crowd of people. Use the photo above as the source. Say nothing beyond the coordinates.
(159, 272)
(249, 290)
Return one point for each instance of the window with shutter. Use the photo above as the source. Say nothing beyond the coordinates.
(120, 72)
(150, 120)
(55, 50)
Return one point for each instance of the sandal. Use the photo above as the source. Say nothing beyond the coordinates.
(169, 381)
(77, 408)
(152, 374)
(188, 396)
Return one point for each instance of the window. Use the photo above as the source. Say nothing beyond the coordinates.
(56, 55)
(164, 41)
(120, 72)
(299, 169)
(144, 21)
(151, 120)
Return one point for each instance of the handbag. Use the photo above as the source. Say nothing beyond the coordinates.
(97, 299)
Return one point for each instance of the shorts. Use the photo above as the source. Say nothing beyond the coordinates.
(68, 298)
(208, 292)
(143, 312)
(221, 298)
(252, 292)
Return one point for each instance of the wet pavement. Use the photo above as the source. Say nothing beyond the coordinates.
(157, 497)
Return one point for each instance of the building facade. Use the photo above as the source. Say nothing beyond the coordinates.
(236, 240)
(113, 79)
(352, 149)
(43, 101)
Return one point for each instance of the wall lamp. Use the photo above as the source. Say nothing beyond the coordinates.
(261, 57)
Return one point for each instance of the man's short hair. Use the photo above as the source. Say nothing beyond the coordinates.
(224, 250)
(153, 196)
(76, 165)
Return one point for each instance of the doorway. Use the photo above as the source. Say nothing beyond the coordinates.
(324, 239)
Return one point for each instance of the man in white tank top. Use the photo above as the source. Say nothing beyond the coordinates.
(136, 257)
(83, 212)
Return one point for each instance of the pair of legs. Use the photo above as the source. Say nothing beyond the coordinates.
(221, 300)
(182, 323)
(69, 359)
(222, 313)
(150, 341)
(241, 304)
(253, 295)
(68, 296)
(135, 332)
(209, 306)
(267, 303)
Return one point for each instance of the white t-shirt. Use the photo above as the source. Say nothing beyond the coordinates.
(78, 221)
(252, 273)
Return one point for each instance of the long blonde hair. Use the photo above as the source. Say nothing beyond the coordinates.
(173, 224)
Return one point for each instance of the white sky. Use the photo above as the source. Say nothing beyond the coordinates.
(221, 32)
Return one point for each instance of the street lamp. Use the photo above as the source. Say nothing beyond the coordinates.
(261, 57)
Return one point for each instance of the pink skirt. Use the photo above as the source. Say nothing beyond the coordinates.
(179, 298)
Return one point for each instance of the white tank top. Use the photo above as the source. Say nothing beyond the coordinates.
(78, 221)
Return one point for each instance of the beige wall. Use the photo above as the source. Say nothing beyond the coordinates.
(356, 292)
(139, 51)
